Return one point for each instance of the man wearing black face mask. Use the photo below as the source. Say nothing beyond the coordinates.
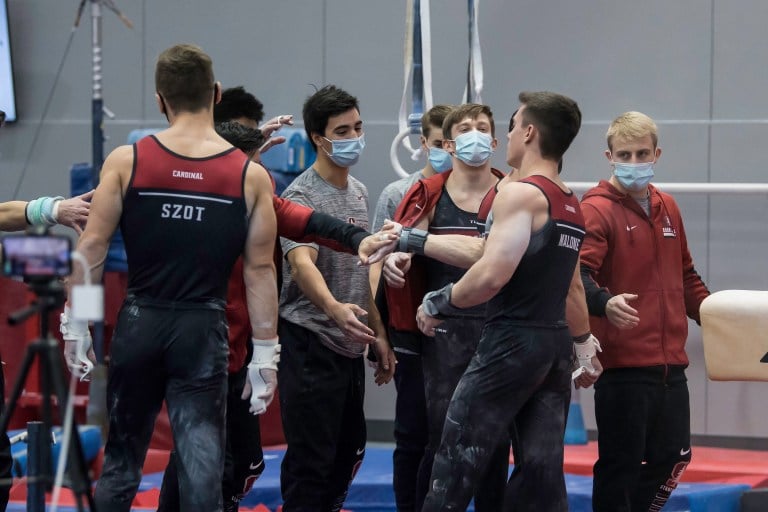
(327, 317)
(447, 203)
(636, 247)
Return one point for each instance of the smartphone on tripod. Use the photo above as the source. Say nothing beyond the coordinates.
(41, 259)
(36, 257)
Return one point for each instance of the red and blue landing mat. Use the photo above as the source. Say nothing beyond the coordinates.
(725, 475)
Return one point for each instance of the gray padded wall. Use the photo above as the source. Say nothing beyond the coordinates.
(693, 65)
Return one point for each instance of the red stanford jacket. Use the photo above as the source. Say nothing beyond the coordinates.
(628, 252)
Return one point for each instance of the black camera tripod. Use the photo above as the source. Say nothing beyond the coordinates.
(50, 295)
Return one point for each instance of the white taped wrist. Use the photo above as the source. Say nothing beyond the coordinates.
(266, 353)
(586, 350)
(70, 328)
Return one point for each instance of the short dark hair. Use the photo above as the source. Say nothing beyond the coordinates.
(470, 110)
(434, 117)
(235, 103)
(245, 139)
(556, 117)
(511, 121)
(184, 78)
(325, 103)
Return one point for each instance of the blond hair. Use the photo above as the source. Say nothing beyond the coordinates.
(632, 126)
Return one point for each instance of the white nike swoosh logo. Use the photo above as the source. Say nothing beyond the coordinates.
(361, 451)
(631, 228)
(255, 466)
(685, 452)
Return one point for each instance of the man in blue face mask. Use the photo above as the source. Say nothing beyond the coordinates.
(447, 203)
(410, 407)
(327, 318)
(519, 377)
(641, 286)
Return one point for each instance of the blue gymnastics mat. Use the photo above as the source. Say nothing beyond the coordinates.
(372, 489)
(90, 439)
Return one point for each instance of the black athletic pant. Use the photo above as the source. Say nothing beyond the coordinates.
(519, 377)
(179, 354)
(644, 437)
(410, 429)
(321, 402)
(444, 360)
(243, 458)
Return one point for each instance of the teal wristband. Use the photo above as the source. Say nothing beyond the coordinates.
(39, 211)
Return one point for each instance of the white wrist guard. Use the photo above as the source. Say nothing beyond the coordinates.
(266, 353)
(79, 343)
(70, 328)
(586, 350)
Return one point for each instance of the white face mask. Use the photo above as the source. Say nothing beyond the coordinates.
(346, 152)
(440, 159)
(633, 177)
(473, 148)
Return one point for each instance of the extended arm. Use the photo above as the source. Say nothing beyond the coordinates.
(12, 216)
(73, 212)
(457, 250)
(326, 229)
(302, 224)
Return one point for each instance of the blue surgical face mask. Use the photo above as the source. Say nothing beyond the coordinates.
(473, 148)
(633, 177)
(345, 152)
(440, 159)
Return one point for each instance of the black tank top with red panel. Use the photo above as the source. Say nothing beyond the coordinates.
(537, 291)
(184, 222)
(449, 219)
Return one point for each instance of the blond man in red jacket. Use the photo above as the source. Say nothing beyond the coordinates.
(641, 286)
